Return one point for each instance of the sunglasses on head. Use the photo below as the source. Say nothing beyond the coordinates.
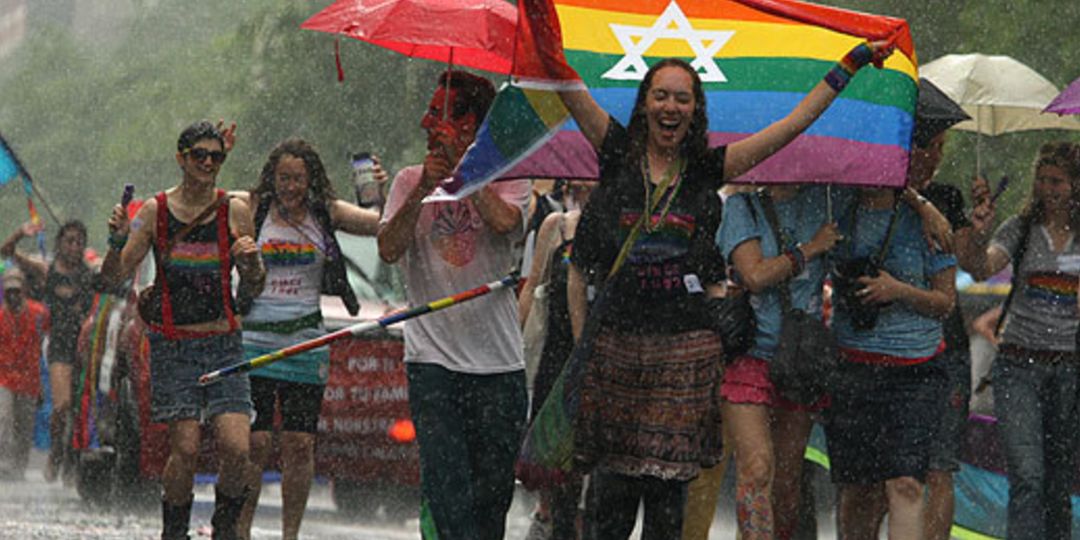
(200, 155)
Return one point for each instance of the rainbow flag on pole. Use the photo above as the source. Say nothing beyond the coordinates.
(757, 60)
(10, 168)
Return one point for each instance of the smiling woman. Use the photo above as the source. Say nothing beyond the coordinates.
(1035, 375)
(657, 210)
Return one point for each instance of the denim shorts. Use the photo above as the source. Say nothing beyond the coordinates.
(175, 367)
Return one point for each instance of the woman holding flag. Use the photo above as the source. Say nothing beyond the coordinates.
(654, 350)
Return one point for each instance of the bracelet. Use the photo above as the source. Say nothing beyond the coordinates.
(800, 255)
(840, 75)
(117, 242)
(797, 261)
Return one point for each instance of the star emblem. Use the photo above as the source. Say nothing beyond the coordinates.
(672, 24)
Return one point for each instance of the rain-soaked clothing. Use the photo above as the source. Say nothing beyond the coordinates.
(956, 360)
(175, 367)
(66, 311)
(287, 311)
(465, 365)
(20, 353)
(469, 429)
(746, 380)
(196, 284)
(887, 399)
(799, 217)
(1036, 379)
(655, 352)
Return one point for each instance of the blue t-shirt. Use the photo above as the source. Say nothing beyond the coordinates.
(799, 218)
(900, 330)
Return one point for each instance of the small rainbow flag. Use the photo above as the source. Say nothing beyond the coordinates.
(757, 60)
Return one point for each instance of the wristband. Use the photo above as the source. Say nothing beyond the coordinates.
(840, 75)
(796, 261)
(117, 242)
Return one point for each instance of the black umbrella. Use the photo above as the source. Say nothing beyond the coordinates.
(935, 113)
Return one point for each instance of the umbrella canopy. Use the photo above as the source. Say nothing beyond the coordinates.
(1067, 102)
(934, 113)
(1001, 94)
(471, 33)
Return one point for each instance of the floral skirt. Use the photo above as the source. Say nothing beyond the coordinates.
(649, 404)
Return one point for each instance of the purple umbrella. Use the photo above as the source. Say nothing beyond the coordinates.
(1067, 102)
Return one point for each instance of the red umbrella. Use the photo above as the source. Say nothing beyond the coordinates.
(471, 33)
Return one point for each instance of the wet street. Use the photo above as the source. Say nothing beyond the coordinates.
(32, 508)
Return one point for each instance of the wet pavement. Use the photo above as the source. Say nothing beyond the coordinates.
(32, 508)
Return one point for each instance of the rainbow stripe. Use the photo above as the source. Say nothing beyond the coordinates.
(202, 256)
(277, 253)
(770, 54)
(1053, 287)
(520, 121)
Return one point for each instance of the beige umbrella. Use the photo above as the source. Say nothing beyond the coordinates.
(1000, 94)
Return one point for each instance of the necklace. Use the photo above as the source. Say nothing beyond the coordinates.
(671, 176)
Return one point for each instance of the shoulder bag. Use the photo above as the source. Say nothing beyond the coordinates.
(806, 356)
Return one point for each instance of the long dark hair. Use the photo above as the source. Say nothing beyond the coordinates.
(1065, 156)
(697, 137)
(320, 191)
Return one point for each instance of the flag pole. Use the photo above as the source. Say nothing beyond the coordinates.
(510, 280)
(26, 175)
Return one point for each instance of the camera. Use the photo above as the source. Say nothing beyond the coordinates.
(846, 287)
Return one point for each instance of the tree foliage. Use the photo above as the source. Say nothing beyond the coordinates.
(88, 115)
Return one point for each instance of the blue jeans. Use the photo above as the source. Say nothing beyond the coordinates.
(469, 428)
(1035, 404)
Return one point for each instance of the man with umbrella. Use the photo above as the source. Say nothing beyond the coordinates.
(465, 368)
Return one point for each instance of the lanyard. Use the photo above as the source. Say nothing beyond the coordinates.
(651, 201)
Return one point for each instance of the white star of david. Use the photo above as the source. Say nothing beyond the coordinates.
(672, 24)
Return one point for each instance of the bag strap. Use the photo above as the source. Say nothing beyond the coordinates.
(781, 243)
(165, 245)
(884, 249)
(1021, 250)
(670, 175)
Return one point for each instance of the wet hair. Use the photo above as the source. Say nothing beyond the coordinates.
(1065, 156)
(73, 225)
(697, 137)
(319, 188)
(196, 132)
(474, 93)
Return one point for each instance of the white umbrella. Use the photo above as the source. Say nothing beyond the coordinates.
(1000, 94)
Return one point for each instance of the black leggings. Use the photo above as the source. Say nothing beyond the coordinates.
(612, 504)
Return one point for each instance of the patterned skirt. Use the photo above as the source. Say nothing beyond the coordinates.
(649, 404)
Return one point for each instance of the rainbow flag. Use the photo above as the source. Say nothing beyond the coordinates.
(10, 168)
(757, 60)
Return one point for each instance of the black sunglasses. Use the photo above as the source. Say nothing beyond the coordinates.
(200, 155)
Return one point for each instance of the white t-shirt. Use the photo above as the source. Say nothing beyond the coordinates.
(452, 251)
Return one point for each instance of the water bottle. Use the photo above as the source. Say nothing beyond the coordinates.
(368, 191)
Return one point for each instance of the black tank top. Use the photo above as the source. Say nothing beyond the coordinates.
(67, 313)
(194, 275)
